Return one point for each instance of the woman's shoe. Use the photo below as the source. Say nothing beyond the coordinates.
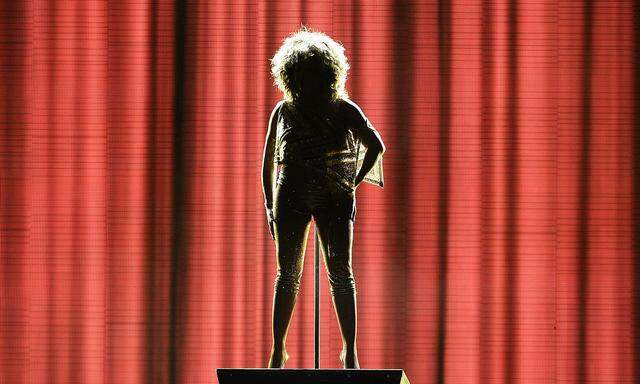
(352, 364)
(275, 363)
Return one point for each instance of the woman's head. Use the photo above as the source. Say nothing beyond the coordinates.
(309, 65)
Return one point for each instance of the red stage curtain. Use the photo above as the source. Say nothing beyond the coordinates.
(134, 246)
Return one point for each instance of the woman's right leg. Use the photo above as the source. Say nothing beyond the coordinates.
(335, 226)
(291, 231)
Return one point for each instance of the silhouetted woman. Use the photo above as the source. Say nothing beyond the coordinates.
(326, 147)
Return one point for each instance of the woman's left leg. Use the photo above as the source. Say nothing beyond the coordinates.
(292, 223)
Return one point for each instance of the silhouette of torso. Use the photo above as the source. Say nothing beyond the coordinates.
(324, 140)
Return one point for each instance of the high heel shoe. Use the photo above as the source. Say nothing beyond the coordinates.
(343, 357)
(284, 356)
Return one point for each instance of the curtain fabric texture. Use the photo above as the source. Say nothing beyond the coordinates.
(133, 242)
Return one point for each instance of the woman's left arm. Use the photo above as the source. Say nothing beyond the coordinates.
(268, 167)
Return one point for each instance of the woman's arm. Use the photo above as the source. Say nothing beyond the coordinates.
(370, 139)
(268, 167)
(375, 148)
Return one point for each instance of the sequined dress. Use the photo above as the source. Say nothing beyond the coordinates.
(328, 144)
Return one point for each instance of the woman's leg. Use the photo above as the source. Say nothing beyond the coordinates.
(291, 231)
(336, 236)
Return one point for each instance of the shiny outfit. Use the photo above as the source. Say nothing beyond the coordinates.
(329, 142)
(299, 196)
(319, 149)
(319, 154)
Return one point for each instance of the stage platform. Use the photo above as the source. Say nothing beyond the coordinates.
(310, 376)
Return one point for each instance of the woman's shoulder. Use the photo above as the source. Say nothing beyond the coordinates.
(277, 110)
(347, 107)
(352, 110)
(279, 105)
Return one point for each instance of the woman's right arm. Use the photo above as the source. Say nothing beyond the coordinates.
(370, 138)
(268, 167)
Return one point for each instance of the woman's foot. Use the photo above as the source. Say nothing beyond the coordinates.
(278, 359)
(349, 359)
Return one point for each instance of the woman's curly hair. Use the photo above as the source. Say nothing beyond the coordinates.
(305, 48)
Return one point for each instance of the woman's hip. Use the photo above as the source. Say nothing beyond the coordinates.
(305, 193)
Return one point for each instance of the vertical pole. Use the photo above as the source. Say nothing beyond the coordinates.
(316, 251)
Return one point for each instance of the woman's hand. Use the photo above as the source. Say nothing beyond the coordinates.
(270, 220)
(358, 180)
